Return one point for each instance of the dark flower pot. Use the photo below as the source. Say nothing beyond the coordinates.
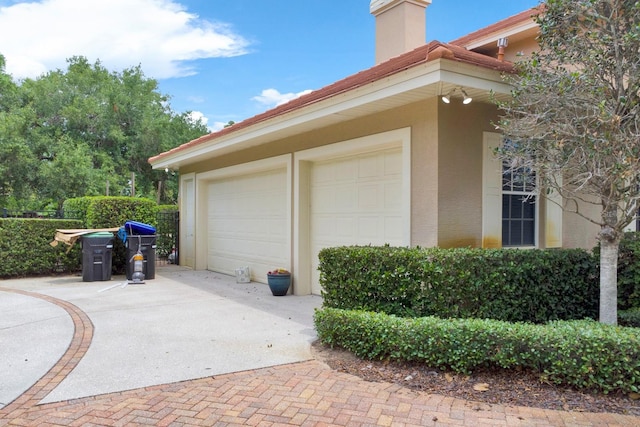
(279, 283)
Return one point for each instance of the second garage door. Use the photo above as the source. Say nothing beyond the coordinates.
(355, 200)
(248, 223)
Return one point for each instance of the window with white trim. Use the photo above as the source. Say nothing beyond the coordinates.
(511, 213)
(518, 207)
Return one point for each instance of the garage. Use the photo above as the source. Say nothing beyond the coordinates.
(248, 223)
(355, 200)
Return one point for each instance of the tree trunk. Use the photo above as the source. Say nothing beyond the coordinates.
(159, 193)
(609, 281)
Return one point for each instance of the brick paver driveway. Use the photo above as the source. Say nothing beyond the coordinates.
(304, 393)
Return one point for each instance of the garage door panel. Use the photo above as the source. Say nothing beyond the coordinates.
(369, 196)
(392, 165)
(369, 228)
(369, 167)
(392, 196)
(355, 201)
(248, 223)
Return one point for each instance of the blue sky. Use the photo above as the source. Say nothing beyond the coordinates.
(222, 59)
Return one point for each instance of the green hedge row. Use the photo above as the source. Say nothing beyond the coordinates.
(504, 284)
(108, 211)
(26, 250)
(580, 353)
(24, 243)
(630, 317)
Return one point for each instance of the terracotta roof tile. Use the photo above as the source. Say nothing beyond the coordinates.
(517, 19)
(421, 55)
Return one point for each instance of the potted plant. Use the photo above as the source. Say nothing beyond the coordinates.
(279, 281)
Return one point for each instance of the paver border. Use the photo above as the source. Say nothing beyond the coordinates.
(78, 347)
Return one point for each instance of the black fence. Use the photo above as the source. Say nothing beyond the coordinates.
(6, 213)
(167, 237)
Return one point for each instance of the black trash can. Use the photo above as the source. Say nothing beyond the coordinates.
(97, 251)
(147, 244)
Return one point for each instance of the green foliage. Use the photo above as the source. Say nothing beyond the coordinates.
(69, 173)
(629, 271)
(579, 353)
(630, 317)
(105, 212)
(77, 208)
(108, 212)
(25, 248)
(574, 114)
(167, 208)
(533, 285)
(69, 132)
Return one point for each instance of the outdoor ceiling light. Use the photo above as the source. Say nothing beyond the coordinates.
(467, 99)
(447, 98)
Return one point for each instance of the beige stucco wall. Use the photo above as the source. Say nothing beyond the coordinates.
(446, 163)
(421, 117)
(577, 231)
(518, 50)
(460, 178)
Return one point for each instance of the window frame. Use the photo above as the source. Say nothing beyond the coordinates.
(549, 216)
(527, 190)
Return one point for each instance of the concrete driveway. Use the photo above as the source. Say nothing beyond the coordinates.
(181, 325)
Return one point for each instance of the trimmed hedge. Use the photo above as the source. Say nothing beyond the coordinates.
(105, 212)
(504, 284)
(25, 248)
(580, 353)
(630, 317)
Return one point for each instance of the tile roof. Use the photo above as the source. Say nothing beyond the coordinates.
(421, 55)
(518, 19)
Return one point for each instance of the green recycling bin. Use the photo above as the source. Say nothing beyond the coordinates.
(97, 251)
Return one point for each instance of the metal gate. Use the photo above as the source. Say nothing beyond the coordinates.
(167, 237)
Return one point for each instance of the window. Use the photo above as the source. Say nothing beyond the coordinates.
(518, 207)
(511, 214)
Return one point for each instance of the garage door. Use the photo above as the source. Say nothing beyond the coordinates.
(247, 223)
(355, 201)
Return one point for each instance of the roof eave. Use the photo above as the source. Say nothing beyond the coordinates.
(420, 82)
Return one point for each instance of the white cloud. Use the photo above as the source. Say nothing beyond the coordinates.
(194, 116)
(217, 126)
(160, 35)
(273, 98)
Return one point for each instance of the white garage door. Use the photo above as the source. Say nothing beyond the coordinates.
(248, 223)
(355, 201)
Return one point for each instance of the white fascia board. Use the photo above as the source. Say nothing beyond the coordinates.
(431, 73)
(507, 32)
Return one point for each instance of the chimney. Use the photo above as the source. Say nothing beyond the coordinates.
(400, 26)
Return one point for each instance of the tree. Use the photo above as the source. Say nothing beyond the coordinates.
(16, 159)
(69, 173)
(69, 132)
(574, 119)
